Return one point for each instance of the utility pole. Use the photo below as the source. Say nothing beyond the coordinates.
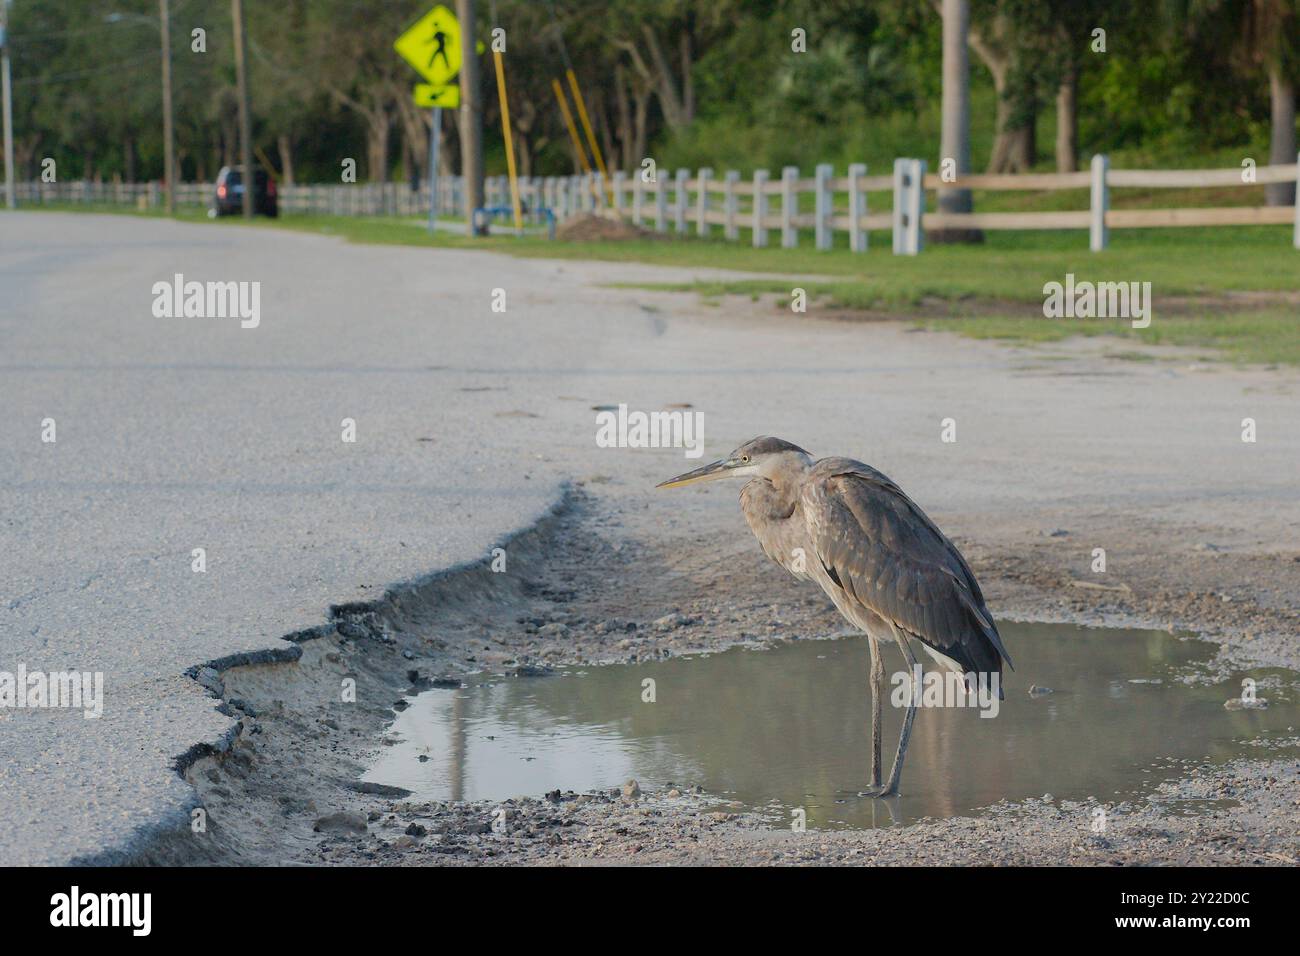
(954, 134)
(169, 129)
(7, 93)
(245, 120)
(471, 113)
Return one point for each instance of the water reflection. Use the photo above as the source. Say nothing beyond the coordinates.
(788, 727)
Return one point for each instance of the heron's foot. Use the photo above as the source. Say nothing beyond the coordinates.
(877, 792)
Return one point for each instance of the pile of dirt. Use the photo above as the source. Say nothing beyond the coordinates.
(594, 228)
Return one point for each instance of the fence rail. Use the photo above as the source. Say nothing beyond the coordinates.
(768, 208)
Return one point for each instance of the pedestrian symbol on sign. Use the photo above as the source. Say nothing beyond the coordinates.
(432, 46)
(439, 49)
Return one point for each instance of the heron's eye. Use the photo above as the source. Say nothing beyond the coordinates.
(744, 458)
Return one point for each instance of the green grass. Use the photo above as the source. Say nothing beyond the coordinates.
(1261, 337)
(1006, 267)
(1009, 268)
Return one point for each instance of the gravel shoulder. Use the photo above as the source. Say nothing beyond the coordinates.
(595, 588)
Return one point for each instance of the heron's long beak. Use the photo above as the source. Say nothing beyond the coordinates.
(710, 472)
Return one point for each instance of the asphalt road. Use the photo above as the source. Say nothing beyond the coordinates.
(183, 433)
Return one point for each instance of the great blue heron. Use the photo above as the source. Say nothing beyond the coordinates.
(889, 570)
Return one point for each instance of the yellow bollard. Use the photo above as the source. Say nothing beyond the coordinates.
(568, 121)
(510, 145)
(586, 125)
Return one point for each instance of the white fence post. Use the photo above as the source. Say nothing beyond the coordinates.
(857, 207)
(702, 203)
(909, 205)
(789, 197)
(759, 206)
(916, 237)
(638, 197)
(822, 233)
(661, 204)
(618, 178)
(730, 230)
(1098, 234)
(900, 204)
(679, 213)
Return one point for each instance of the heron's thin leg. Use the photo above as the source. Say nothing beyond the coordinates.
(877, 703)
(905, 736)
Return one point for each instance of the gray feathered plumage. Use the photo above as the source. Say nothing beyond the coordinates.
(878, 556)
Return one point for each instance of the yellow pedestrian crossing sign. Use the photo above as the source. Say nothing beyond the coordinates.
(432, 46)
(447, 97)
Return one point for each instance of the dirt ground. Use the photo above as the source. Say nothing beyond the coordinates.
(597, 589)
(593, 228)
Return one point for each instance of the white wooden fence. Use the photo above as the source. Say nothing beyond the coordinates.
(840, 204)
(769, 209)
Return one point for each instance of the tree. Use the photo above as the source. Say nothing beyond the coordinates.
(997, 36)
(1270, 40)
(653, 36)
(954, 137)
(348, 50)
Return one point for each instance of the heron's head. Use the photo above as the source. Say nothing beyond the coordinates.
(762, 457)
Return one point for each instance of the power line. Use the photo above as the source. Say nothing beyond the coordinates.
(147, 59)
(120, 66)
(133, 20)
(80, 31)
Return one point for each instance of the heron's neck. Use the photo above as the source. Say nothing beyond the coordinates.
(777, 493)
(787, 478)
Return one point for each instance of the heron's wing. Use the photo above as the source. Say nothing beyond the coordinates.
(888, 555)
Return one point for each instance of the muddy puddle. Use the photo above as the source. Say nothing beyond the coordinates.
(787, 726)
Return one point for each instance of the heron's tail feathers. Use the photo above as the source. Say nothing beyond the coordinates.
(983, 622)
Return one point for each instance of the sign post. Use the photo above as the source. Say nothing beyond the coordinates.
(432, 47)
(435, 134)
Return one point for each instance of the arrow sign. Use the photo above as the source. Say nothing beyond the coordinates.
(447, 97)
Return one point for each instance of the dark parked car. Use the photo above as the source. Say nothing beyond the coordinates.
(229, 198)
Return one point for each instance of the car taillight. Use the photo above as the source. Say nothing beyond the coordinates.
(221, 192)
(270, 187)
